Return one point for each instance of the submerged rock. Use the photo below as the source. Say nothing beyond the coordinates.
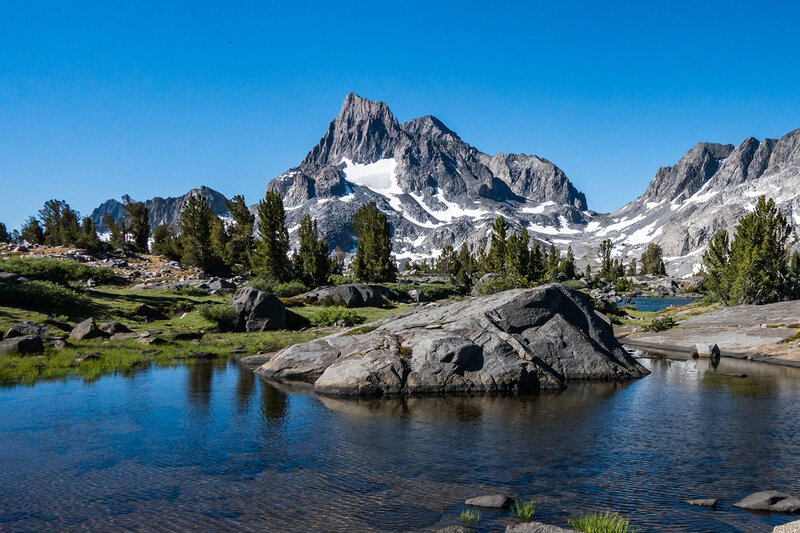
(770, 501)
(490, 501)
(702, 502)
(510, 342)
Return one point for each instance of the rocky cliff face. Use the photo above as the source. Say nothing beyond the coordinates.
(161, 210)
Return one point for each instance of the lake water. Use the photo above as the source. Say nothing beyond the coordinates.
(210, 447)
(659, 304)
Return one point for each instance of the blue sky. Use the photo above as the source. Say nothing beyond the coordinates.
(153, 98)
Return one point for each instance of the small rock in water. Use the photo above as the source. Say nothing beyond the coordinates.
(771, 501)
(490, 501)
(537, 527)
(455, 529)
(703, 502)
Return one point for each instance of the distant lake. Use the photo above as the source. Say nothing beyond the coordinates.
(211, 447)
(659, 304)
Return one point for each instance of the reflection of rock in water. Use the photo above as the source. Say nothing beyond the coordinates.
(274, 403)
(199, 384)
(245, 385)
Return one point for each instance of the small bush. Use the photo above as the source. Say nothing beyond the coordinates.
(501, 284)
(59, 270)
(361, 330)
(523, 511)
(281, 290)
(601, 522)
(576, 284)
(42, 295)
(191, 290)
(222, 315)
(330, 315)
(470, 515)
(338, 279)
(660, 324)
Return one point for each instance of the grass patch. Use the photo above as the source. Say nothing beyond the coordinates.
(523, 511)
(43, 296)
(601, 522)
(662, 323)
(329, 316)
(224, 316)
(281, 290)
(361, 330)
(470, 516)
(61, 271)
(792, 338)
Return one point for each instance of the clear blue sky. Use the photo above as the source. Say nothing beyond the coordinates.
(99, 99)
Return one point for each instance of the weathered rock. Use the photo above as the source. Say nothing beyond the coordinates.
(490, 501)
(113, 328)
(24, 328)
(476, 290)
(26, 344)
(58, 324)
(150, 313)
(94, 356)
(416, 295)
(703, 502)
(710, 351)
(791, 527)
(258, 310)
(350, 295)
(455, 529)
(87, 330)
(151, 341)
(537, 527)
(514, 341)
(8, 277)
(125, 336)
(186, 335)
(770, 501)
(59, 344)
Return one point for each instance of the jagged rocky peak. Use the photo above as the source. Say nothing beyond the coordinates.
(677, 183)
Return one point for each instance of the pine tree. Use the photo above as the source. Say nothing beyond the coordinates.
(524, 252)
(241, 232)
(137, 220)
(89, 239)
(220, 238)
(196, 225)
(166, 242)
(496, 259)
(536, 265)
(4, 236)
(373, 261)
(513, 260)
(32, 231)
(311, 262)
(568, 265)
(652, 262)
(606, 263)
(271, 255)
(716, 259)
(632, 268)
(117, 229)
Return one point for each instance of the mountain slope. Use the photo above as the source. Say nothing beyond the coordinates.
(435, 188)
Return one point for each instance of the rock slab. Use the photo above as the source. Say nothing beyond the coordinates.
(516, 341)
(770, 501)
(349, 295)
(702, 502)
(24, 328)
(537, 527)
(490, 501)
(87, 330)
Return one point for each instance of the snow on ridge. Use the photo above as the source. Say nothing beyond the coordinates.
(538, 209)
(379, 176)
(562, 229)
(653, 205)
(620, 225)
(643, 235)
(452, 210)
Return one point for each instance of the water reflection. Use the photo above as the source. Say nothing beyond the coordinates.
(211, 447)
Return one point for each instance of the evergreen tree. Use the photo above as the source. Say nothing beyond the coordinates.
(32, 231)
(631, 268)
(446, 261)
(166, 242)
(137, 220)
(606, 263)
(568, 265)
(553, 262)
(196, 226)
(794, 276)
(373, 260)
(311, 262)
(241, 232)
(652, 262)
(4, 236)
(536, 264)
(513, 260)
(117, 229)
(496, 259)
(60, 222)
(220, 239)
(524, 252)
(271, 255)
(464, 269)
(89, 239)
(755, 267)
(587, 274)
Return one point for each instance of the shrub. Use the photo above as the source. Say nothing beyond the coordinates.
(42, 295)
(330, 315)
(601, 522)
(58, 270)
(523, 511)
(281, 290)
(222, 315)
(660, 324)
(499, 285)
(338, 279)
(191, 290)
(575, 284)
(470, 515)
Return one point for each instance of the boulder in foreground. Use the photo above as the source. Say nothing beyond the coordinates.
(516, 341)
(257, 310)
(349, 295)
(791, 527)
(26, 344)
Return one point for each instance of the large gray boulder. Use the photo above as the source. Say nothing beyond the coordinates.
(514, 341)
(350, 295)
(26, 344)
(87, 330)
(112, 328)
(791, 527)
(770, 501)
(24, 328)
(258, 310)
